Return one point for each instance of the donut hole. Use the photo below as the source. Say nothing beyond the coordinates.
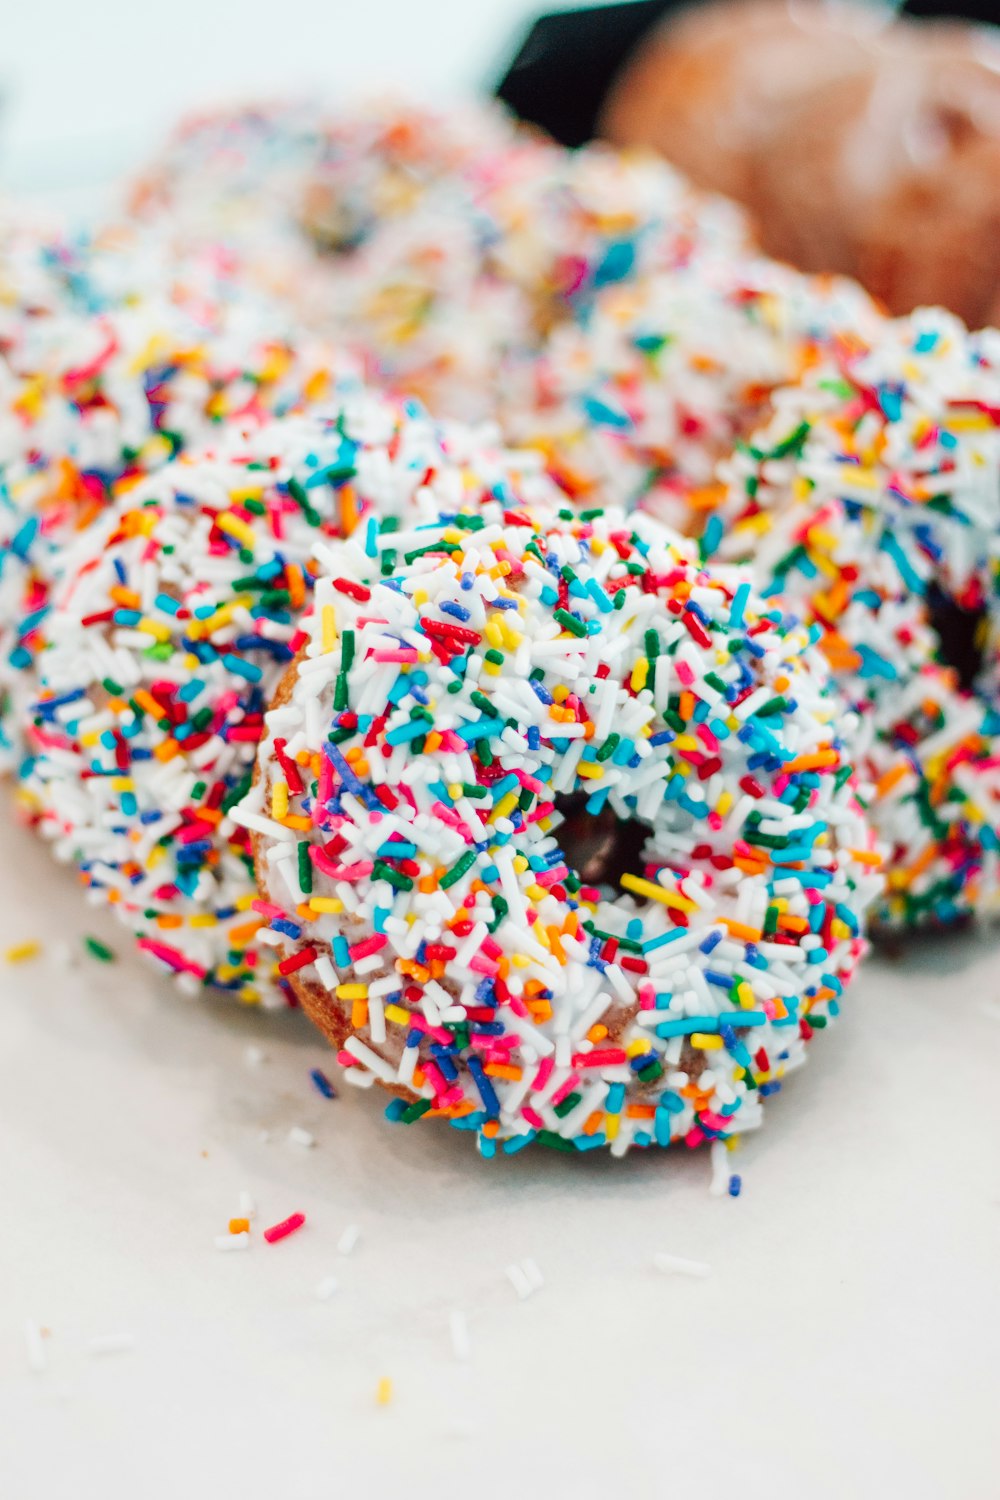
(600, 847)
(960, 634)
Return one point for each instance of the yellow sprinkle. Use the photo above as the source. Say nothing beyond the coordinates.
(705, 1041)
(745, 996)
(397, 1015)
(655, 892)
(329, 627)
(592, 772)
(206, 919)
(520, 863)
(611, 1125)
(383, 1391)
(279, 799)
(331, 904)
(150, 627)
(724, 803)
(492, 632)
(122, 784)
(455, 791)
(639, 674)
(22, 952)
(504, 807)
(237, 528)
(352, 992)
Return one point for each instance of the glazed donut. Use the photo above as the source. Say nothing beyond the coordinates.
(174, 618)
(464, 684)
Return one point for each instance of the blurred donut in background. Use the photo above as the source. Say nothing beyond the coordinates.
(862, 142)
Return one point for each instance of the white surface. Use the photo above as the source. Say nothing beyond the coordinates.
(87, 89)
(845, 1342)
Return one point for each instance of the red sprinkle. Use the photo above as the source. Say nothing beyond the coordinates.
(297, 960)
(284, 1229)
(352, 590)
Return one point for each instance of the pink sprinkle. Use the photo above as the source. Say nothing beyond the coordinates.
(284, 1229)
(564, 1089)
(533, 1117)
(172, 957)
(544, 1073)
(684, 672)
(605, 1057)
(403, 653)
(368, 946)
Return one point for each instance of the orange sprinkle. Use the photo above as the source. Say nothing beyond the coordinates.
(892, 778)
(817, 761)
(239, 1226)
(503, 1070)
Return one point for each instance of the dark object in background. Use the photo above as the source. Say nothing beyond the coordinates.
(564, 68)
(566, 64)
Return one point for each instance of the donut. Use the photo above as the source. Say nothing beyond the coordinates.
(122, 354)
(876, 483)
(175, 616)
(638, 403)
(449, 244)
(465, 686)
(859, 143)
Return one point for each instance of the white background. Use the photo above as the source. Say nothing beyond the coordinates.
(87, 87)
(845, 1342)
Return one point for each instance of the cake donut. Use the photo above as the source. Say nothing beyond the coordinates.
(465, 686)
(173, 620)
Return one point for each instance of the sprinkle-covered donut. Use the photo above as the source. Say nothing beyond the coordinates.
(176, 615)
(876, 485)
(121, 355)
(466, 685)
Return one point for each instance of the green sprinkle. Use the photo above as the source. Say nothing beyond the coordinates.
(99, 950)
(457, 870)
(305, 868)
(395, 878)
(568, 622)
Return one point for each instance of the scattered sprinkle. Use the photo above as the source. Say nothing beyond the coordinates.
(284, 1229)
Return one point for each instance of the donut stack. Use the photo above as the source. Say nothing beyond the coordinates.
(548, 737)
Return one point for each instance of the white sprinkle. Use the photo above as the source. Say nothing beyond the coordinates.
(299, 1137)
(327, 1288)
(678, 1265)
(111, 1343)
(34, 1346)
(531, 1270)
(349, 1239)
(719, 1184)
(458, 1327)
(525, 1276)
(227, 1242)
(248, 1206)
